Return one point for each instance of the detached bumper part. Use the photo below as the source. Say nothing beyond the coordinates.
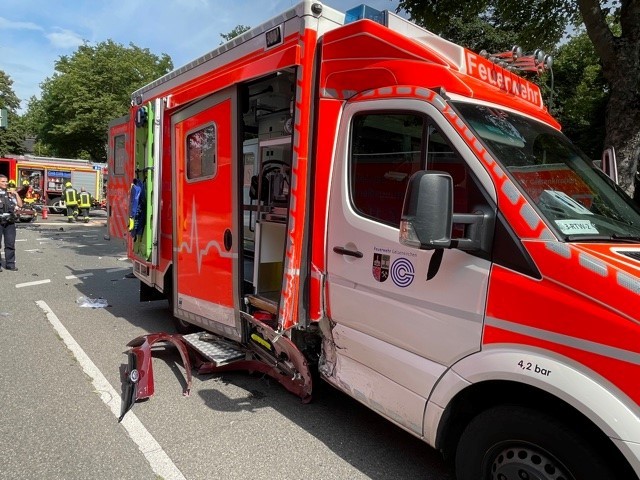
(137, 375)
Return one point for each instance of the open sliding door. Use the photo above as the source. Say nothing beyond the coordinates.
(205, 240)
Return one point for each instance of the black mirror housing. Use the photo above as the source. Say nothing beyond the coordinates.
(428, 211)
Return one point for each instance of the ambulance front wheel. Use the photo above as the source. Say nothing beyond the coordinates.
(519, 443)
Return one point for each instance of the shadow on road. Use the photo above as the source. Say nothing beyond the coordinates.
(359, 436)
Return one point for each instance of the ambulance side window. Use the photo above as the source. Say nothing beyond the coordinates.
(201, 151)
(386, 149)
(119, 155)
(441, 156)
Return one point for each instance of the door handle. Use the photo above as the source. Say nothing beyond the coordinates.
(351, 253)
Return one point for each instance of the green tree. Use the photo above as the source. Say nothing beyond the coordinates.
(541, 24)
(11, 138)
(580, 94)
(238, 30)
(87, 90)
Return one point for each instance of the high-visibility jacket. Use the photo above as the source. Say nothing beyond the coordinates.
(71, 196)
(30, 197)
(85, 200)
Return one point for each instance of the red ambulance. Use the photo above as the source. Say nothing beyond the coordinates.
(364, 199)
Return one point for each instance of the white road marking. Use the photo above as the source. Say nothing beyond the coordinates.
(34, 250)
(21, 239)
(111, 270)
(80, 275)
(160, 462)
(30, 284)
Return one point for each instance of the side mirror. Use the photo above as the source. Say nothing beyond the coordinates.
(428, 211)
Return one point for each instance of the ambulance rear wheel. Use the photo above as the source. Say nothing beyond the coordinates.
(184, 327)
(181, 326)
(517, 443)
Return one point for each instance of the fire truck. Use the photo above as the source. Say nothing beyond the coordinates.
(48, 175)
(349, 198)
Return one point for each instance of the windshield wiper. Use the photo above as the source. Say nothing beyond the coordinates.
(603, 238)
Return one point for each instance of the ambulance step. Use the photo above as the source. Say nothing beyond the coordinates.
(213, 348)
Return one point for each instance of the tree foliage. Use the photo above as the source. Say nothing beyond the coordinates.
(87, 90)
(580, 94)
(541, 24)
(11, 138)
(238, 30)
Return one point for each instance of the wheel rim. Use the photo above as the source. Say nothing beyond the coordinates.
(525, 462)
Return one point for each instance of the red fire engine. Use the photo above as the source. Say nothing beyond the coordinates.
(47, 176)
(363, 198)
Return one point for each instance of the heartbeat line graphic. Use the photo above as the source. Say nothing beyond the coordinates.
(193, 238)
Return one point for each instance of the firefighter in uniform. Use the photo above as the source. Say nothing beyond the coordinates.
(84, 202)
(71, 200)
(27, 193)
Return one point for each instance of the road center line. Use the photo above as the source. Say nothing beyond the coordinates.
(29, 284)
(160, 462)
(80, 275)
(120, 269)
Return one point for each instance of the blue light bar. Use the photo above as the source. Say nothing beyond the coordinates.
(364, 11)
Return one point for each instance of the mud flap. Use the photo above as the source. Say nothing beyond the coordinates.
(137, 375)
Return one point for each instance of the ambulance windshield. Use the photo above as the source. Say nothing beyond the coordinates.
(575, 197)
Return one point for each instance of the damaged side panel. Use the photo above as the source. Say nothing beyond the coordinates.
(266, 351)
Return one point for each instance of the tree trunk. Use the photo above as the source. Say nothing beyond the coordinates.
(623, 121)
(623, 133)
(620, 56)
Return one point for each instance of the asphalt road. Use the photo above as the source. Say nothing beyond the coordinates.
(60, 387)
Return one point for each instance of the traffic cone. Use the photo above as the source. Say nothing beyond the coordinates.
(45, 213)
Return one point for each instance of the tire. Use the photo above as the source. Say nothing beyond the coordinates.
(184, 327)
(517, 443)
(180, 325)
(57, 205)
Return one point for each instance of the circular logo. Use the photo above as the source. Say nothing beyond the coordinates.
(402, 272)
(134, 376)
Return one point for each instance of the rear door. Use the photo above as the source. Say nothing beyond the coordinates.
(205, 246)
(119, 177)
(144, 208)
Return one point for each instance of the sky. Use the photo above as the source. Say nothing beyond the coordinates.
(36, 33)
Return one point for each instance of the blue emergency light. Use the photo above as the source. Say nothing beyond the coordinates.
(364, 11)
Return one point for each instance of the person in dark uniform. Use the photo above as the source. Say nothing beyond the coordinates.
(84, 202)
(71, 201)
(9, 200)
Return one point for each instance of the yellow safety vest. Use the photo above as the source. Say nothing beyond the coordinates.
(71, 197)
(85, 200)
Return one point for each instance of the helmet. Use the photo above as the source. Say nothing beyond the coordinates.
(25, 183)
(11, 184)
(68, 184)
